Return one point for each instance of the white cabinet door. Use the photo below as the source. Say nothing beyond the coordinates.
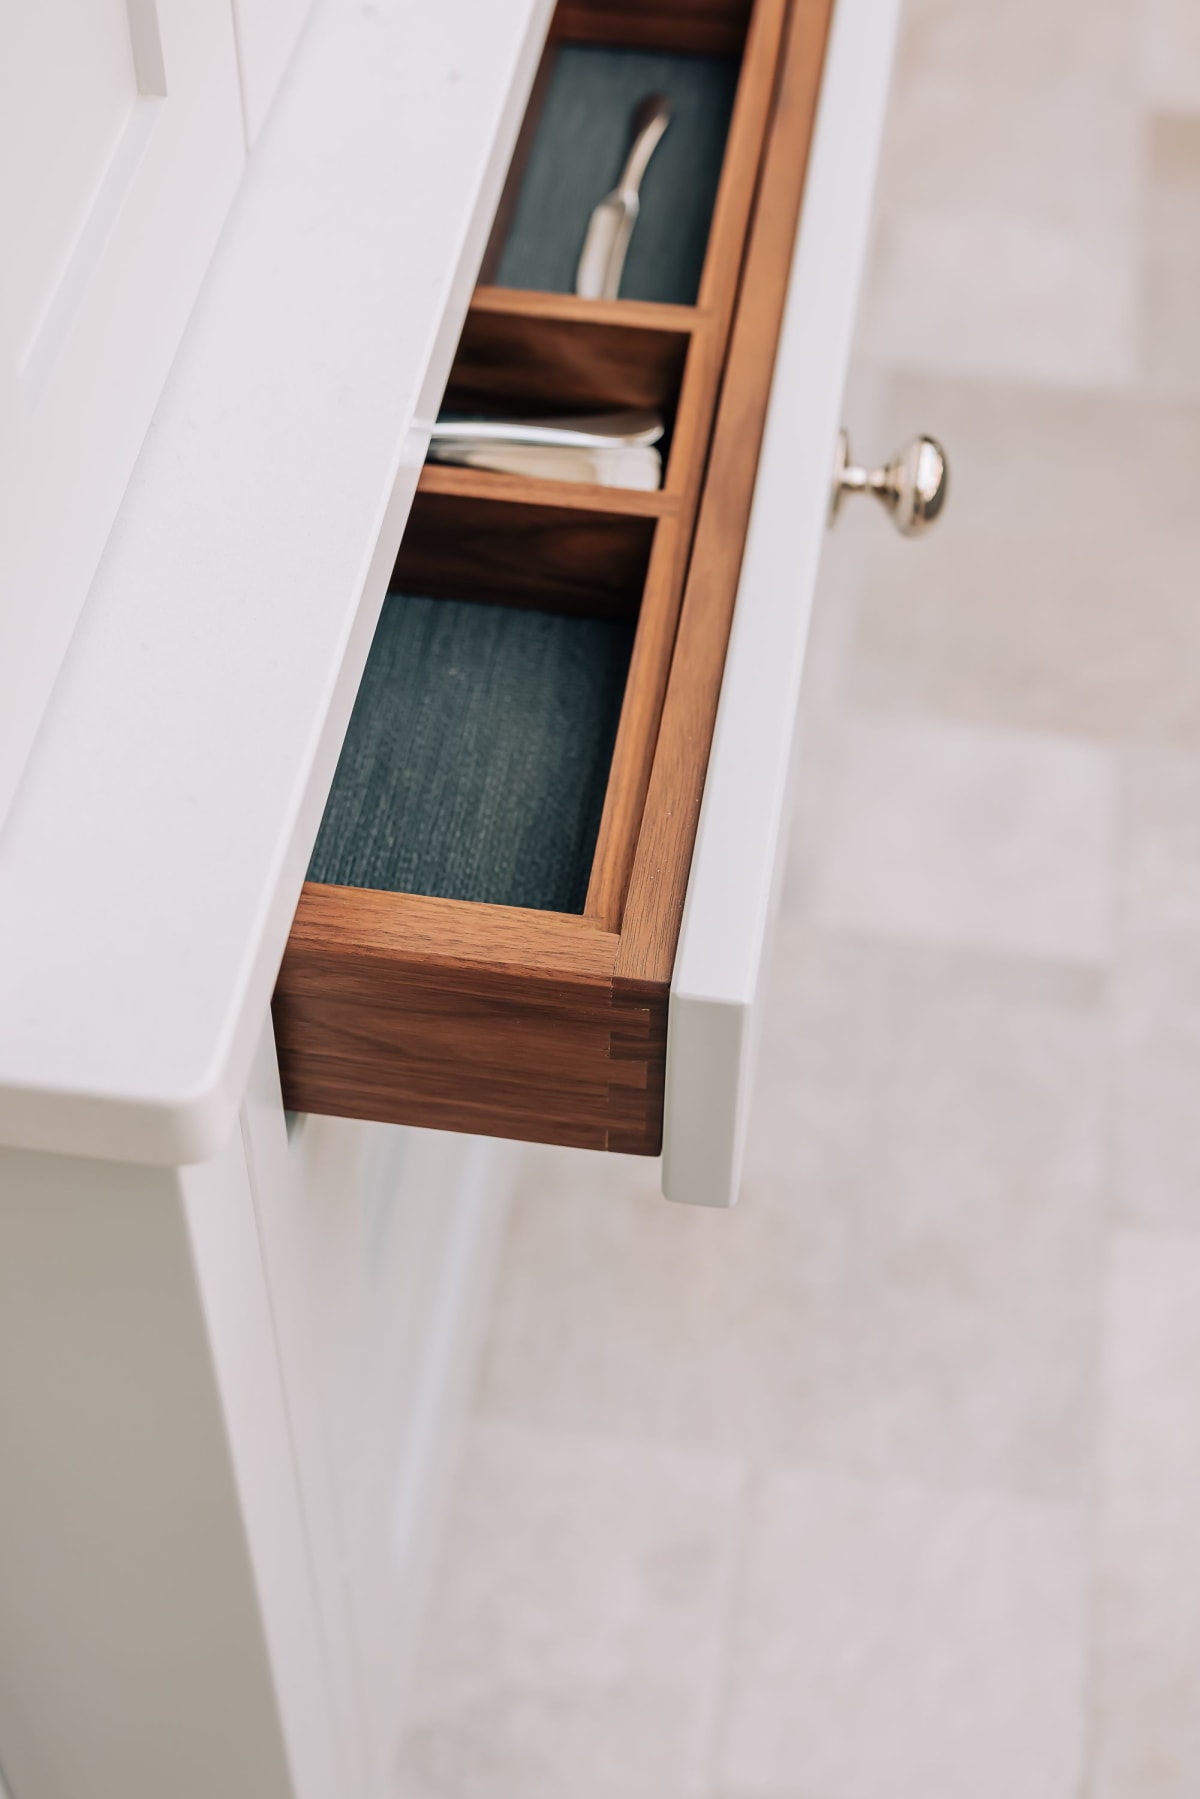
(733, 889)
(378, 1244)
(266, 36)
(121, 144)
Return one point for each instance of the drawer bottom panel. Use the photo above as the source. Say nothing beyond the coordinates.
(477, 756)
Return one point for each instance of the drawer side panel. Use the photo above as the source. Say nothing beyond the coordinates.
(478, 1019)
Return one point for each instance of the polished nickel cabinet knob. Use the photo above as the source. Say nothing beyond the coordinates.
(912, 485)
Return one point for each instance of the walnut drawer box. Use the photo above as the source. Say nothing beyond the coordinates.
(496, 947)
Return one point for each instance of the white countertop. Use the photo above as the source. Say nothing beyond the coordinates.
(152, 861)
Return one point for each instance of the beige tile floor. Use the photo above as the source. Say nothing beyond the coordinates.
(887, 1485)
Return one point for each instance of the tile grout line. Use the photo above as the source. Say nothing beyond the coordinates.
(703, 1780)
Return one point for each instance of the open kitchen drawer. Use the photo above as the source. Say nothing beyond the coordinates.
(491, 930)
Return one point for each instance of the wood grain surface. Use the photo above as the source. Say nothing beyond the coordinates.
(562, 354)
(714, 26)
(535, 1025)
(637, 315)
(520, 547)
(449, 481)
(658, 884)
(637, 733)
(465, 1017)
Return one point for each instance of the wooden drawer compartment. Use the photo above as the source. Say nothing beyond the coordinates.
(487, 936)
(480, 749)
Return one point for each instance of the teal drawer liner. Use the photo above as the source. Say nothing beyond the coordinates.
(578, 152)
(477, 757)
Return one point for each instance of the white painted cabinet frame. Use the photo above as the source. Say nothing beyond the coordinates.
(718, 987)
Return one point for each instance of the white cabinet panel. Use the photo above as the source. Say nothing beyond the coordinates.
(379, 1244)
(397, 1231)
(58, 157)
(121, 143)
(717, 988)
(156, 1631)
(150, 868)
(266, 36)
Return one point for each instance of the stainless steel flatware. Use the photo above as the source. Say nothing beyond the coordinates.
(610, 227)
(587, 431)
(637, 466)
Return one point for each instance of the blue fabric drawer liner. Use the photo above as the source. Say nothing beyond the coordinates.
(578, 152)
(477, 757)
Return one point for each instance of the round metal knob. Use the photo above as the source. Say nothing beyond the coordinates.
(912, 486)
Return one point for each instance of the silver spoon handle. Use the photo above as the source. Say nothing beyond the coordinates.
(642, 149)
(596, 431)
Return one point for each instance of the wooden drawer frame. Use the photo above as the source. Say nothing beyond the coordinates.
(548, 1026)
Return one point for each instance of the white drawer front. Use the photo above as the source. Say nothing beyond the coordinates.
(737, 868)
